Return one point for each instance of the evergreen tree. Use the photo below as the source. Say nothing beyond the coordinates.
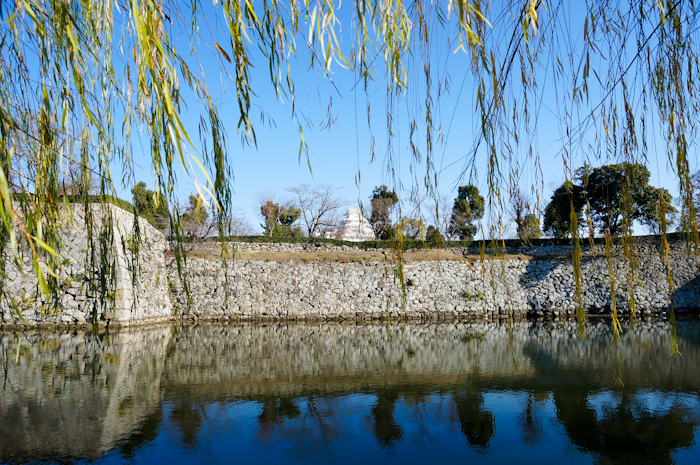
(279, 220)
(529, 228)
(468, 208)
(151, 206)
(609, 192)
(382, 202)
(566, 199)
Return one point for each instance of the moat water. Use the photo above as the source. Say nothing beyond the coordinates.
(519, 392)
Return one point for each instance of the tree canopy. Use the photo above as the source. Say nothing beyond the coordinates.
(526, 221)
(382, 203)
(278, 220)
(411, 228)
(468, 208)
(686, 220)
(607, 196)
(529, 228)
(151, 206)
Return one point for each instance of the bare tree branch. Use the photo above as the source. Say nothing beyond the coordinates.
(321, 208)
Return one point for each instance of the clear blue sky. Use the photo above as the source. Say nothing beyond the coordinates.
(343, 149)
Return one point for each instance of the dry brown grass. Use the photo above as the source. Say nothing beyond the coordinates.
(360, 256)
(354, 256)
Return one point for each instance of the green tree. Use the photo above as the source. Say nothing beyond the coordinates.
(382, 202)
(608, 194)
(529, 228)
(468, 208)
(411, 228)
(278, 220)
(690, 211)
(566, 200)
(151, 206)
(612, 189)
(286, 227)
(433, 236)
(652, 203)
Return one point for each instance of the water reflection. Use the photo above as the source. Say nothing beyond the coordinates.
(308, 427)
(627, 430)
(530, 419)
(384, 427)
(186, 415)
(346, 393)
(477, 423)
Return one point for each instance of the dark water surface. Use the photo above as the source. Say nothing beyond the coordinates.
(525, 392)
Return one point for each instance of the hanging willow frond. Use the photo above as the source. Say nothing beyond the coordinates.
(115, 76)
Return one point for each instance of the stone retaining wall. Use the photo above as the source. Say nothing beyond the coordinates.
(146, 285)
(431, 289)
(131, 275)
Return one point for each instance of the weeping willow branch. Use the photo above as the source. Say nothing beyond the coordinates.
(114, 76)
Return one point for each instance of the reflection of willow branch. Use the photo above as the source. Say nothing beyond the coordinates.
(416, 406)
(98, 350)
(618, 364)
(5, 366)
(672, 314)
(511, 342)
(674, 333)
(328, 431)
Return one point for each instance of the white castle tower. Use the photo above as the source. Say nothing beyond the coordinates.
(355, 227)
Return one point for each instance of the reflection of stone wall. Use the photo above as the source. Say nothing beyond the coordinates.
(372, 289)
(75, 395)
(286, 360)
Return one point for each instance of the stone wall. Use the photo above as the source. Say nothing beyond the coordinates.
(131, 274)
(214, 248)
(316, 289)
(535, 281)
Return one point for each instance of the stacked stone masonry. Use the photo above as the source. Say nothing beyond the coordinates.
(114, 277)
(147, 286)
(431, 289)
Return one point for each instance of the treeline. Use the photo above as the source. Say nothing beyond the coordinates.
(597, 201)
(319, 211)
